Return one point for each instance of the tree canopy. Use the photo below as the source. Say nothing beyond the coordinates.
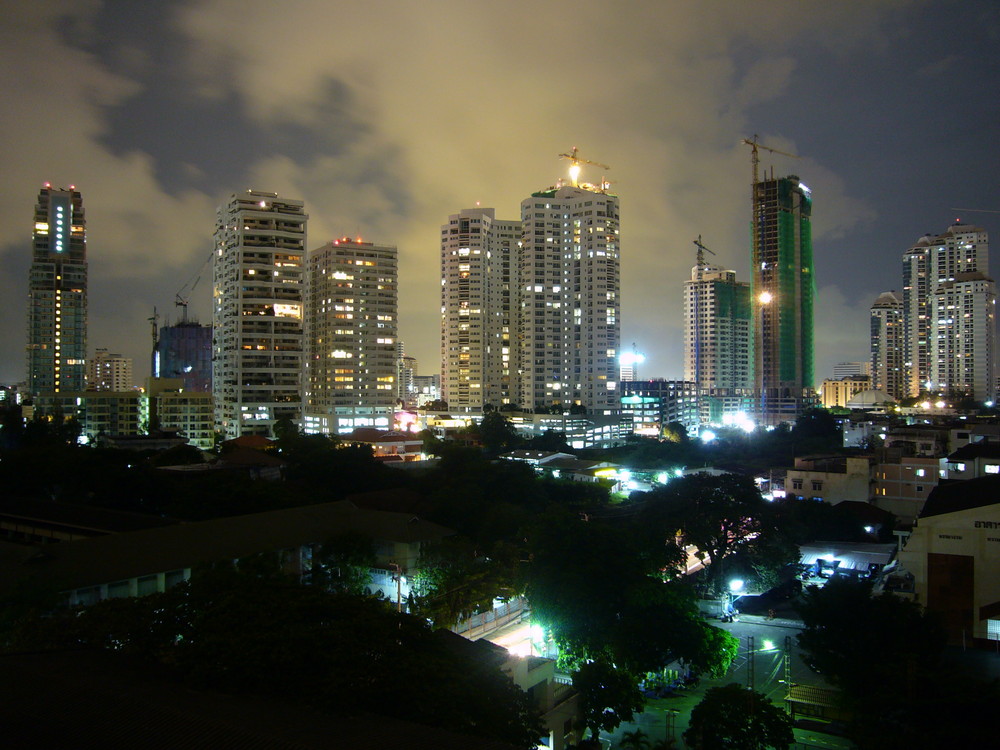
(737, 718)
(267, 636)
(725, 518)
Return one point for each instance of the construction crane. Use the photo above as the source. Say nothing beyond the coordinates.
(180, 299)
(154, 322)
(574, 169)
(701, 255)
(758, 267)
(754, 144)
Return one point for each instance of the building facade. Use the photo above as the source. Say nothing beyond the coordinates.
(963, 336)
(57, 294)
(478, 309)
(351, 336)
(171, 407)
(648, 406)
(184, 351)
(569, 286)
(887, 357)
(837, 393)
(783, 289)
(107, 371)
(930, 262)
(257, 313)
(717, 326)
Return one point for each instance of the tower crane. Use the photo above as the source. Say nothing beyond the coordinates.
(180, 299)
(754, 144)
(574, 169)
(764, 276)
(154, 322)
(701, 255)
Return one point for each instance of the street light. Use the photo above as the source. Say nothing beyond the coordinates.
(735, 592)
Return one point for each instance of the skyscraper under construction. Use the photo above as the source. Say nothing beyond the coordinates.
(783, 289)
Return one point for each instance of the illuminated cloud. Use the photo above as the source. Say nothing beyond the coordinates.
(387, 116)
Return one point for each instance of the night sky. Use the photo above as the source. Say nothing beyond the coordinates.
(385, 117)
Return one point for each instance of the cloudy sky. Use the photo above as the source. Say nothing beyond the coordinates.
(385, 117)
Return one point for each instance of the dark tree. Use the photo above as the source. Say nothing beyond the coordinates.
(497, 433)
(270, 637)
(608, 696)
(721, 516)
(737, 718)
(885, 655)
(343, 564)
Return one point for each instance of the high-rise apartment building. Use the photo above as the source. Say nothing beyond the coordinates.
(783, 289)
(717, 326)
(351, 334)
(530, 309)
(57, 294)
(406, 368)
(569, 314)
(479, 310)
(887, 363)
(257, 313)
(963, 336)
(934, 260)
(107, 371)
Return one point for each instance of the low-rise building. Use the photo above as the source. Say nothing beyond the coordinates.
(953, 554)
(388, 446)
(972, 460)
(902, 486)
(146, 561)
(832, 479)
(838, 392)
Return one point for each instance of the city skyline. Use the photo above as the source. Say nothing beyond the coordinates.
(156, 132)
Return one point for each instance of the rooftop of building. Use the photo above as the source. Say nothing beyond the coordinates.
(954, 496)
(87, 562)
(982, 449)
(84, 519)
(373, 435)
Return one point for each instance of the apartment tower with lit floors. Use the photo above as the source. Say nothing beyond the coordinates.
(257, 313)
(887, 364)
(783, 289)
(479, 310)
(351, 336)
(57, 294)
(949, 328)
(569, 289)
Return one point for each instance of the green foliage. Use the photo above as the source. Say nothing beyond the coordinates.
(890, 670)
(726, 519)
(550, 440)
(897, 639)
(675, 432)
(737, 718)
(603, 597)
(497, 433)
(455, 581)
(269, 637)
(343, 563)
(608, 696)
